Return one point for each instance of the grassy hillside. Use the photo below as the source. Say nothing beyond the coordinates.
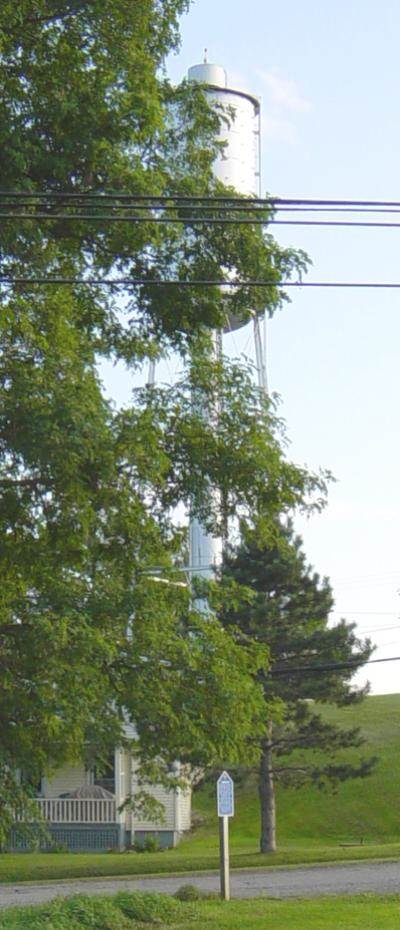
(313, 826)
(361, 808)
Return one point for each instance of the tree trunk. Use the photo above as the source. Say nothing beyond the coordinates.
(266, 790)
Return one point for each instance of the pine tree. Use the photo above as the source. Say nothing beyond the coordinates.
(312, 663)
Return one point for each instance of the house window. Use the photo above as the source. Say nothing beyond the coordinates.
(34, 785)
(104, 775)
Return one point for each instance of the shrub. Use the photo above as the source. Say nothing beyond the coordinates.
(198, 820)
(55, 847)
(46, 917)
(91, 913)
(188, 893)
(148, 908)
(150, 843)
(123, 911)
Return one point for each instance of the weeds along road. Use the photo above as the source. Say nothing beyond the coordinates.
(306, 882)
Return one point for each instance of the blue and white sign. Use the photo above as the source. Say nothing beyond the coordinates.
(225, 795)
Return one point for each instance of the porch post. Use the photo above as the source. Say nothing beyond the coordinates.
(120, 796)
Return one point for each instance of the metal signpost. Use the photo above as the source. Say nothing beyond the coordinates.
(225, 807)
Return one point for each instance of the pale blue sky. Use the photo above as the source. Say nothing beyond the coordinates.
(329, 79)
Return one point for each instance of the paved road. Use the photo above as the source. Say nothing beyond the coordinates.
(310, 882)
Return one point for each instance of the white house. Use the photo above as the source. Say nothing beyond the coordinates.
(82, 813)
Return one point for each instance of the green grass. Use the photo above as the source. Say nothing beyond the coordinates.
(312, 825)
(365, 809)
(38, 867)
(119, 912)
(132, 911)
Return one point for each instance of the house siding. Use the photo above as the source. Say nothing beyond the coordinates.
(166, 798)
(185, 810)
(65, 780)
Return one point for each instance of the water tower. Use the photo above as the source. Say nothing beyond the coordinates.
(237, 166)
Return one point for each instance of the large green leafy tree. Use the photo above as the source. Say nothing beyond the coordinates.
(88, 492)
(311, 663)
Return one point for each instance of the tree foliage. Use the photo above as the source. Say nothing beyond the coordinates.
(88, 492)
(288, 608)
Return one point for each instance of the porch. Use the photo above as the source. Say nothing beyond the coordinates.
(77, 810)
(76, 825)
(84, 812)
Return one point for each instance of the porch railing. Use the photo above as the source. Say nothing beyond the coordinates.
(77, 810)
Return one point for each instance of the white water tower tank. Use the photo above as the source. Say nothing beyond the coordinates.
(239, 164)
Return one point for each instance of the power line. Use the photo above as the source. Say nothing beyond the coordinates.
(221, 208)
(364, 224)
(145, 198)
(124, 196)
(168, 220)
(196, 220)
(311, 201)
(390, 572)
(169, 282)
(337, 666)
(197, 198)
(239, 206)
(369, 613)
(375, 629)
(137, 282)
(368, 584)
(311, 209)
(378, 629)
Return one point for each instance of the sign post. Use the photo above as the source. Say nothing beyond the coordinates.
(225, 806)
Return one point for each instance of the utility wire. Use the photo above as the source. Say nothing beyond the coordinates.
(157, 209)
(196, 198)
(375, 224)
(337, 666)
(310, 209)
(135, 282)
(195, 220)
(8, 280)
(350, 578)
(377, 629)
(239, 206)
(369, 613)
(150, 204)
(168, 220)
